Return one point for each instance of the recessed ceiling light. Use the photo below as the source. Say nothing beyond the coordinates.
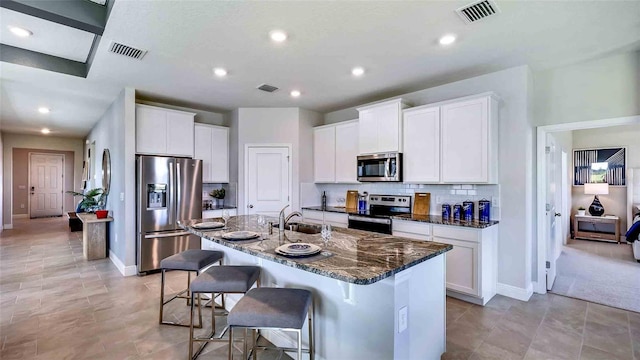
(45, 131)
(220, 72)
(357, 71)
(447, 39)
(278, 35)
(44, 110)
(295, 93)
(21, 32)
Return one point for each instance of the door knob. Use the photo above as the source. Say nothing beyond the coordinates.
(558, 214)
(250, 206)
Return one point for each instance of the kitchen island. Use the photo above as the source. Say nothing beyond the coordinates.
(376, 296)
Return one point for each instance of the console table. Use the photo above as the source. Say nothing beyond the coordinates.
(94, 236)
(604, 228)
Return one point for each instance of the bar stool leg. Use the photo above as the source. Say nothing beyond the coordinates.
(161, 296)
(230, 343)
(191, 329)
(311, 347)
(188, 286)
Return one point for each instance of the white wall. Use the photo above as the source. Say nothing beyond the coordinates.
(116, 131)
(286, 126)
(11, 141)
(516, 164)
(599, 89)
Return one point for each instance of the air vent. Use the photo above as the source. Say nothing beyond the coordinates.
(478, 11)
(267, 88)
(125, 50)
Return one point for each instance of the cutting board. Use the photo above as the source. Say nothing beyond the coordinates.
(352, 200)
(422, 203)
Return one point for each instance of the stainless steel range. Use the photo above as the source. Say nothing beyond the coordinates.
(381, 209)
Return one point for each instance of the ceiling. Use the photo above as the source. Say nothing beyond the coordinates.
(395, 41)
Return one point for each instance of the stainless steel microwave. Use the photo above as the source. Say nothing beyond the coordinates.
(380, 167)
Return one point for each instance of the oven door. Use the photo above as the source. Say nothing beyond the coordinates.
(378, 225)
(380, 167)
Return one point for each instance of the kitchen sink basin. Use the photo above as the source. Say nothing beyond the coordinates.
(302, 227)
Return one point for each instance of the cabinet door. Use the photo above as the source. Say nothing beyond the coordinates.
(347, 153)
(179, 134)
(202, 149)
(324, 154)
(151, 130)
(422, 145)
(368, 132)
(462, 265)
(388, 121)
(220, 155)
(465, 137)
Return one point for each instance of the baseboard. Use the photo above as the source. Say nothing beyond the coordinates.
(124, 270)
(515, 292)
(20, 216)
(7, 226)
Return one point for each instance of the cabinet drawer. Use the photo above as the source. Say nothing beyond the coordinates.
(330, 217)
(458, 233)
(413, 227)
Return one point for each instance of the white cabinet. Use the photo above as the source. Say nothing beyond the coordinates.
(335, 148)
(213, 214)
(380, 128)
(472, 263)
(324, 154)
(421, 145)
(470, 141)
(331, 218)
(162, 131)
(211, 145)
(411, 229)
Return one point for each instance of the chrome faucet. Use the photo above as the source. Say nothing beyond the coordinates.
(295, 213)
(281, 220)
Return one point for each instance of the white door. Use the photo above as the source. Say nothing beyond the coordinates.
(46, 184)
(267, 178)
(553, 204)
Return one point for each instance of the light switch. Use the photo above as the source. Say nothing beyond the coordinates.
(121, 196)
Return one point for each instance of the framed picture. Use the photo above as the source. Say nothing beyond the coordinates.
(600, 165)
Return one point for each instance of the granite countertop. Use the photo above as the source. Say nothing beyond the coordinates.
(354, 256)
(432, 219)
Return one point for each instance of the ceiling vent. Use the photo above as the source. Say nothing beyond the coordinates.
(267, 88)
(478, 11)
(125, 50)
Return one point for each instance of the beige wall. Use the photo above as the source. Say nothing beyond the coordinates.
(21, 179)
(615, 202)
(1, 183)
(13, 141)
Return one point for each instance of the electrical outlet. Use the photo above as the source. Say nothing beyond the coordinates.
(494, 201)
(438, 199)
(121, 196)
(403, 320)
(21, 206)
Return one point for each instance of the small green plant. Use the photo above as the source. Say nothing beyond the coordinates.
(217, 193)
(92, 200)
(581, 208)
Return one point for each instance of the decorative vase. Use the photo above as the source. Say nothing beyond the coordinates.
(218, 202)
(102, 214)
(581, 212)
(596, 208)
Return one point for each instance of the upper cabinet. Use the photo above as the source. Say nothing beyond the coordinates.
(380, 127)
(470, 140)
(161, 131)
(421, 144)
(212, 147)
(452, 142)
(335, 148)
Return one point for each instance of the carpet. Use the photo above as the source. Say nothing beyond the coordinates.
(600, 272)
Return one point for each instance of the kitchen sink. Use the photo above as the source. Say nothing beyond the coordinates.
(302, 227)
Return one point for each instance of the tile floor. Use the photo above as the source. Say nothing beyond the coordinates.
(56, 305)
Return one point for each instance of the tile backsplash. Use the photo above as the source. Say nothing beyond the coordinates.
(311, 194)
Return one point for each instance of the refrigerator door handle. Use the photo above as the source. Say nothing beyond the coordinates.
(172, 195)
(157, 236)
(178, 189)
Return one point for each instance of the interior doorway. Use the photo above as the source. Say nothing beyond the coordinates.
(46, 185)
(267, 179)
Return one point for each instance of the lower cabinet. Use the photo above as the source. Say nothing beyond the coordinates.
(411, 229)
(211, 214)
(472, 264)
(331, 218)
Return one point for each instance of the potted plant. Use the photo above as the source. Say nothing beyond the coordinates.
(218, 195)
(581, 211)
(92, 200)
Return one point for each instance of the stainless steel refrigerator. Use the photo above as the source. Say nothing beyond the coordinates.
(168, 189)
